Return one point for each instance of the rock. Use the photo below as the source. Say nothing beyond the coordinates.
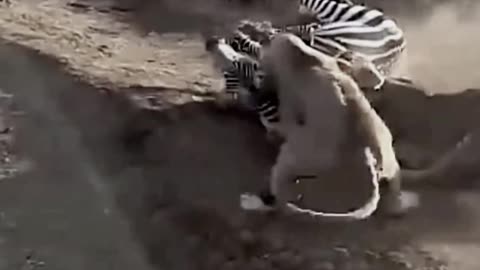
(342, 251)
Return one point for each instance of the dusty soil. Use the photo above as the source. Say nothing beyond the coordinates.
(123, 171)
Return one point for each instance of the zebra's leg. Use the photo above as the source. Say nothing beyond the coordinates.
(234, 99)
(258, 31)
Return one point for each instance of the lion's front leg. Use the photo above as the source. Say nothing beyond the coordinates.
(274, 135)
(282, 179)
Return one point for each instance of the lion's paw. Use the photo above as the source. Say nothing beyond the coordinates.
(407, 201)
(253, 202)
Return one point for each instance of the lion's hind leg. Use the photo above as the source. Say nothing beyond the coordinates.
(395, 201)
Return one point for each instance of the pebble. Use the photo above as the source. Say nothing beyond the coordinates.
(372, 255)
(404, 264)
(399, 259)
(395, 256)
(343, 251)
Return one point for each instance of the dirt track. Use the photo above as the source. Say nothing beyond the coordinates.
(178, 191)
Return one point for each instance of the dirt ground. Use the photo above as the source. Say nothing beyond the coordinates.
(108, 164)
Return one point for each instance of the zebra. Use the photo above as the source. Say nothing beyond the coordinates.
(243, 75)
(374, 43)
(240, 42)
(330, 11)
(340, 26)
(244, 53)
(264, 98)
(243, 72)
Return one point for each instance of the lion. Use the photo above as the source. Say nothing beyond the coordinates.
(323, 110)
(243, 72)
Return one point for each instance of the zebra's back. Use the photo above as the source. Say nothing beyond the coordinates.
(329, 11)
(381, 44)
(358, 28)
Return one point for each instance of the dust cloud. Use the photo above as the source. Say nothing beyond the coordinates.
(442, 50)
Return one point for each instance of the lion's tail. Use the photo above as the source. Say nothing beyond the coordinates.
(361, 213)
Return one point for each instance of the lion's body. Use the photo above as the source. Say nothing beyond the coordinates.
(326, 120)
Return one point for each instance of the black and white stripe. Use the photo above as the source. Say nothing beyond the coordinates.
(242, 43)
(330, 11)
(340, 27)
(265, 99)
(246, 75)
(348, 27)
(242, 73)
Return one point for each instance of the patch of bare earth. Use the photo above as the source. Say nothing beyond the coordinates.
(207, 159)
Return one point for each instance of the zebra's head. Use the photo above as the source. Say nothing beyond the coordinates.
(362, 70)
(259, 31)
(236, 40)
(223, 54)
